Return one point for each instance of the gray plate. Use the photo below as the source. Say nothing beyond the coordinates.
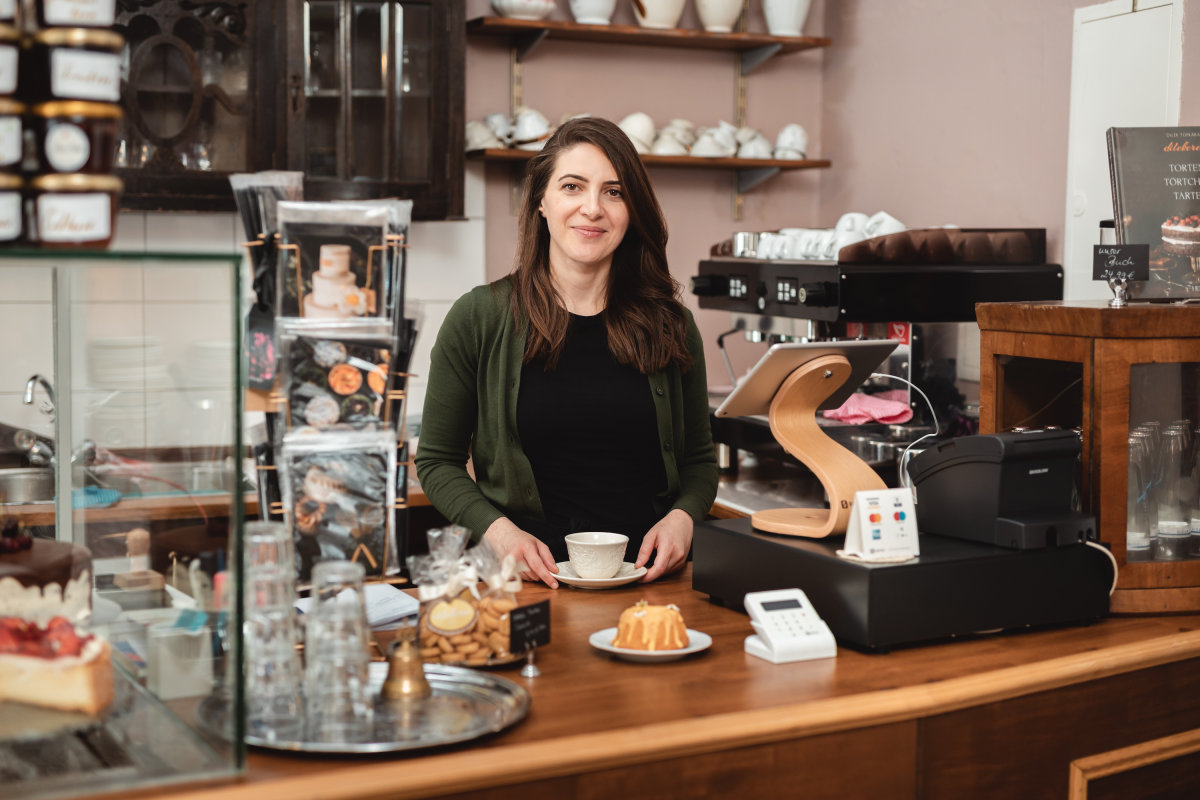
(20, 722)
(466, 704)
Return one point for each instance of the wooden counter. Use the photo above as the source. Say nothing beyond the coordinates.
(994, 716)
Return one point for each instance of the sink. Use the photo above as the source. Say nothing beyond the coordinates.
(26, 485)
(164, 478)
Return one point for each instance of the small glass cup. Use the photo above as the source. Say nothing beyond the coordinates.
(273, 706)
(1172, 541)
(339, 703)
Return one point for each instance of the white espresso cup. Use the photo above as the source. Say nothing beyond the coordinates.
(596, 554)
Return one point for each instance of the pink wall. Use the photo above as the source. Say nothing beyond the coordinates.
(939, 112)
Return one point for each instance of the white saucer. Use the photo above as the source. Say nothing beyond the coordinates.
(626, 574)
(602, 640)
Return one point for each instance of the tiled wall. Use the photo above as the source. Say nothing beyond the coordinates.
(181, 401)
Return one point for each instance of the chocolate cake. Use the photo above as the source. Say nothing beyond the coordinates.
(46, 579)
(1181, 235)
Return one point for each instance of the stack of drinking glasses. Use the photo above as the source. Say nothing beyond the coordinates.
(1163, 505)
(338, 699)
(273, 704)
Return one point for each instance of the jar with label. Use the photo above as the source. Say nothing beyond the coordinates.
(74, 210)
(76, 136)
(1171, 544)
(76, 13)
(73, 64)
(11, 205)
(10, 50)
(12, 136)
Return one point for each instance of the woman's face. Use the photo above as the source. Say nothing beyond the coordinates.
(584, 207)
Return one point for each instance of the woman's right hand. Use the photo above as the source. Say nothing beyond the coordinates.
(532, 555)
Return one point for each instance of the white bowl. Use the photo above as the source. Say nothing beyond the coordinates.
(524, 9)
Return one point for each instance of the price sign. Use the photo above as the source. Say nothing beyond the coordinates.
(530, 626)
(1128, 262)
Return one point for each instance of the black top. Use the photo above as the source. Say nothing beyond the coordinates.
(590, 432)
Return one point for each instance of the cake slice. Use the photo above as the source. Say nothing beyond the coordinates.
(54, 667)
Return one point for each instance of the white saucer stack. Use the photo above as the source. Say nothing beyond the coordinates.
(209, 365)
(130, 374)
(127, 363)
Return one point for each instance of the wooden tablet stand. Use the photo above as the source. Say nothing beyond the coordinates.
(793, 418)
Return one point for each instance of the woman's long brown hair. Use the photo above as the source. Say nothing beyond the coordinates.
(646, 322)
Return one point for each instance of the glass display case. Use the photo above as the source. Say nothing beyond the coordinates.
(1129, 380)
(131, 388)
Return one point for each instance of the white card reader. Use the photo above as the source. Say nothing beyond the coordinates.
(788, 627)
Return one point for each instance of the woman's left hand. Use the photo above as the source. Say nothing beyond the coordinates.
(669, 541)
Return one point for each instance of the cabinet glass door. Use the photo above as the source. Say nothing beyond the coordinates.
(186, 99)
(366, 92)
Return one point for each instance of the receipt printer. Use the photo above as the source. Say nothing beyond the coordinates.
(1014, 490)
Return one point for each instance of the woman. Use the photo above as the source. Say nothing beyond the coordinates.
(576, 384)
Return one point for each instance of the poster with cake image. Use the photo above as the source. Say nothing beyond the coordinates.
(1155, 176)
(331, 261)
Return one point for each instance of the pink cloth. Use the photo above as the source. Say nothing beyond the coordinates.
(860, 408)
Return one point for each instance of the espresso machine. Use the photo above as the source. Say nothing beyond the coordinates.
(899, 286)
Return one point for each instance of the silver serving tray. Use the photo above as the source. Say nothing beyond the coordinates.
(466, 704)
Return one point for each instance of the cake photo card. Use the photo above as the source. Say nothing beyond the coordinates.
(332, 260)
(339, 499)
(392, 280)
(1155, 176)
(337, 376)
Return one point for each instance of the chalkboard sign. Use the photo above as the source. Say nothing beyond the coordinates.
(530, 626)
(1130, 262)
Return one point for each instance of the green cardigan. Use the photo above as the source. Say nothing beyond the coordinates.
(471, 409)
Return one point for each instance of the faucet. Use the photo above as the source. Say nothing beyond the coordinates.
(41, 453)
(31, 384)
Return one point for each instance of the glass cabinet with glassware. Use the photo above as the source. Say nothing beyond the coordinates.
(1129, 380)
(122, 490)
(364, 96)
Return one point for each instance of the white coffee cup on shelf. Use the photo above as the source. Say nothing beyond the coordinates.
(593, 12)
(852, 221)
(530, 126)
(667, 145)
(882, 223)
(480, 136)
(500, 125)
(639, 127)
(596, 554)
(658, 13)
(791, 142)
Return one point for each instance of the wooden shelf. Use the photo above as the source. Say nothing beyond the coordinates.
(751, 171)
(754, 47)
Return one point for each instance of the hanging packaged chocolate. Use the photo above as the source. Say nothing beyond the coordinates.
(331, 260)
(337, 376)
(339, 498)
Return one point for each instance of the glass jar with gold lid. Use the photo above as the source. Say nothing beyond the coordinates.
(75, 13)
(71, 210)
(72, 64)
(10, 49)
(76, 136)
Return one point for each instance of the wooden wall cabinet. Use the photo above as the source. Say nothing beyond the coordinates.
(1105, 371)
(364, 96)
